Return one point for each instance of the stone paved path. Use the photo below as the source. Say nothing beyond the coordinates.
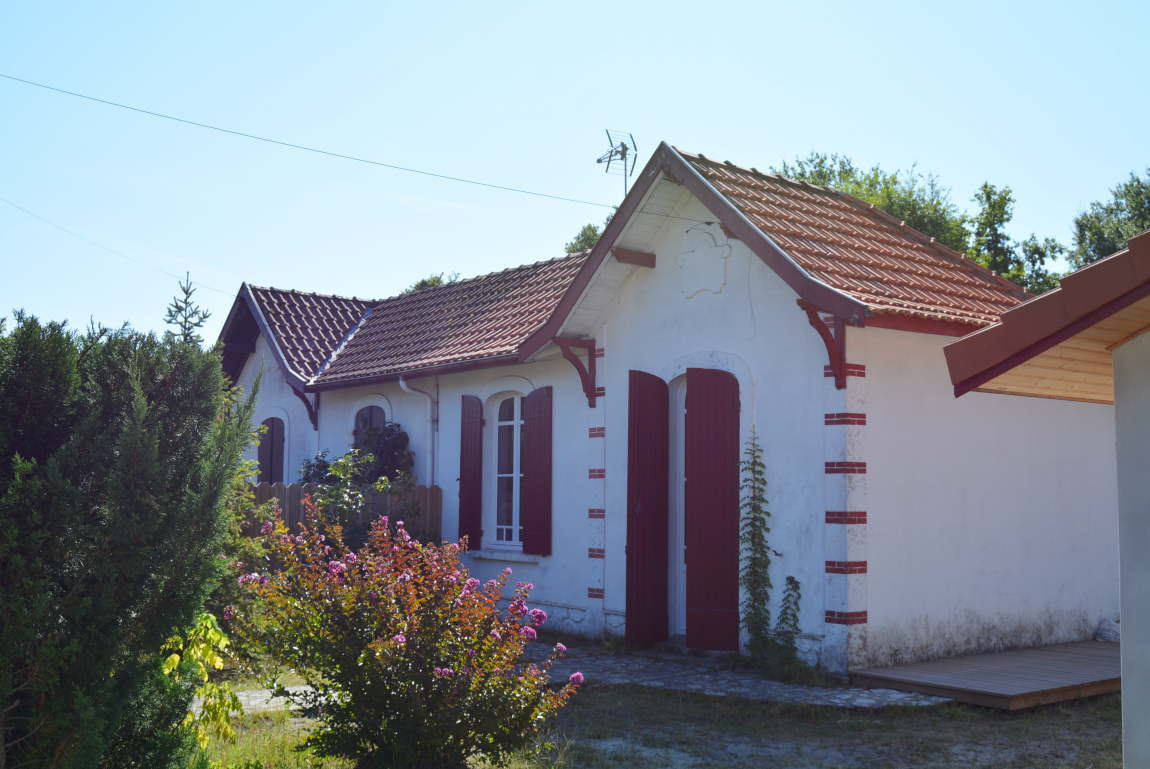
(685, 673)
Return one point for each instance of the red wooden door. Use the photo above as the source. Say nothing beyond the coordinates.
(712, 509)
(647, 513)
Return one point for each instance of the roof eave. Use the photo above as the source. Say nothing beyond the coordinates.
(505, 359)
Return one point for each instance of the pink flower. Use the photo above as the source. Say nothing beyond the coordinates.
(507, 571)
(264, 580)
(322, 538)
(326, 549)
(349, 558)
(470, 652)
(576, 678)
(336, 568)
(229, 611)
(560, 648)
(518, 608)
(538, 617)
(267, 528)
(496, 636)
(527, 632)
(299, 540)
(400, 638)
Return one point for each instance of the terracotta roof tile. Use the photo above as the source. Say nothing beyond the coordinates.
(853, 247)
(308, 327)
(471, 320)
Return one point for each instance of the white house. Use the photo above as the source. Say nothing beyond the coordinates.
(1086, 341)
(585, 417)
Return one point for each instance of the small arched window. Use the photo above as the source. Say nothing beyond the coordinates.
(271, 451)
(368, 419)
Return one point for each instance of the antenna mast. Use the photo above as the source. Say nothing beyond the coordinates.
(622, 149)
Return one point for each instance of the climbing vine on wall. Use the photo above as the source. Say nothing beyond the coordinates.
(776, 650)
(755, 575)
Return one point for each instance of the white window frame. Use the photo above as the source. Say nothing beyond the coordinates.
(516, 474)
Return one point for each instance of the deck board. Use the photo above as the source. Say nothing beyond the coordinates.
(1012, 680)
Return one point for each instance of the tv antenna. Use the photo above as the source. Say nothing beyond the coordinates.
(622, 149)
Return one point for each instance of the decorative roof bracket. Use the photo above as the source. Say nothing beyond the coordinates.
(312, 411)
(586, 373)
(836, 342)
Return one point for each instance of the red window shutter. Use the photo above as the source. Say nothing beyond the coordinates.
(471, 472)
(648, 465)
(712, 509)
(535, 492)
(271, 451)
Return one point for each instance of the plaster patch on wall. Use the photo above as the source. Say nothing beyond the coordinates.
(704, 268)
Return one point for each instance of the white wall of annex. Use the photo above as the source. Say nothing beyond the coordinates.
(992, 519)
(1132, 416)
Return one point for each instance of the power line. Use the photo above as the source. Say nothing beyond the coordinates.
(109, 250)
(307, 149)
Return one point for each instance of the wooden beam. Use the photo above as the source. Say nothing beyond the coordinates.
(637, 258)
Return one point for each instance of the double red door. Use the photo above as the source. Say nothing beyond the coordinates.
(711, 509)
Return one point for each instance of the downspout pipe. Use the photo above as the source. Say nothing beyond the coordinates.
(432, 416)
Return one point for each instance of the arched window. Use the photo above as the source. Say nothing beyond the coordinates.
(509, 471)
(271, 451)
(367, 419)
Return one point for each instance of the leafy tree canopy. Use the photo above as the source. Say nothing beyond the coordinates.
(1107, 225)
(587, 237)
(437, 279)
(921, 201)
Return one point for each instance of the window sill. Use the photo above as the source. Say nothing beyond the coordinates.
(495, 554)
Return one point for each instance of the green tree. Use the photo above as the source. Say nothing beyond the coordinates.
(587, 237)
(921, 201)
(436, 279)
(1106, 226)
(115, 447)
(1023, 262)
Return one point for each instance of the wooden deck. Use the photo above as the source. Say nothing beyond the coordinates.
(1012, 680)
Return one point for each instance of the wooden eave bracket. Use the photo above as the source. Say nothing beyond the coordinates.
(313, 412)
(586, 373)
(637, 258)
(836, 343)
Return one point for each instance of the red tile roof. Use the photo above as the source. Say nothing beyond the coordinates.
(468, 321)
(851, 246)
(308, 327)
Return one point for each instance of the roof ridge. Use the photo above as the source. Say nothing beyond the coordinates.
(751, 170)
(313, 293)
(456, 283)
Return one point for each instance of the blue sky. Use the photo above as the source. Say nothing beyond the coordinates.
(1049, 99)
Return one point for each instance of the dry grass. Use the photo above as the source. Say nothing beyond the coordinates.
(647, 728)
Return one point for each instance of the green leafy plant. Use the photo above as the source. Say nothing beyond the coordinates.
(410, 661)
(202, 648)
(755, 573)
(773, 650)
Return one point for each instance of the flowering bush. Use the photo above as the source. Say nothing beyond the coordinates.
(410, 660)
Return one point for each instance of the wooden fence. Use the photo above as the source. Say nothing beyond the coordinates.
(421, 508)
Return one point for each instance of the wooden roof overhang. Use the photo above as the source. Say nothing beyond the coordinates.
(1060, 345)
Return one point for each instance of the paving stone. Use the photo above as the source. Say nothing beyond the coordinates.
(703, 675)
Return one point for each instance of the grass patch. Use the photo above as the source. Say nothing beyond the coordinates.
(270, 740)
(637, 726)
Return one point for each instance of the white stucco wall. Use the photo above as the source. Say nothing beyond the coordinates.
(992, 518)
(277, 400)
(1132, 417)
